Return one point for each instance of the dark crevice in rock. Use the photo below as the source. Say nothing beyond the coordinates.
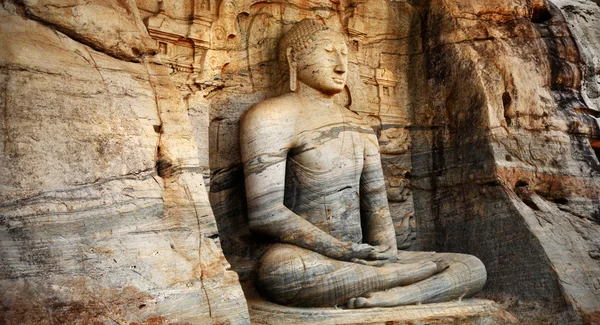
(226, 178)
(521, 184)
(596, 215)
(561, 201)
(506, 101)
(597, 151)
(164, 165)
(524, 193)
(532, 205)
(540, 15)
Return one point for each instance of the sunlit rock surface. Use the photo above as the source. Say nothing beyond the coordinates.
(91, 231)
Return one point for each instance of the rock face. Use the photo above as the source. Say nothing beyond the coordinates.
(582, 18)
(520, 189)
(114, 28)
(113, 113)
(104, 216)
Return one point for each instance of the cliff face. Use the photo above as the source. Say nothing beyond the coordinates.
(115, 112)
(104, 216)
(502, 158)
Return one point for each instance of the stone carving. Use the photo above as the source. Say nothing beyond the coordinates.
(182, 43)
(314, 184)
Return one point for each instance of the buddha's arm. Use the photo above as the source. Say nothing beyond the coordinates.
(378, 228)
(265, 141)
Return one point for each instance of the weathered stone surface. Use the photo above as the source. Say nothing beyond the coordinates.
(91, 231)
(583, 19)
(471, 312)
(112, 27)
(514, 83)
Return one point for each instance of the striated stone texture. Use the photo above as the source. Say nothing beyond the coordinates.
(583, 19)
(469, 312)
(114, 28)
(315, 187)
(520, 188)
(104, 216)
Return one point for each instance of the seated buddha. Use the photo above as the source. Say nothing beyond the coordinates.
(315, 186)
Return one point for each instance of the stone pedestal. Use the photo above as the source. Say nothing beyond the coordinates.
(467, 311)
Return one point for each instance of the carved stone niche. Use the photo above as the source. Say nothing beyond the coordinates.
(182, 44)
(315, 190)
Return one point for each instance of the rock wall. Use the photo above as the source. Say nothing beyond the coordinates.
(104, 216)
(582, 18)
(502, 158)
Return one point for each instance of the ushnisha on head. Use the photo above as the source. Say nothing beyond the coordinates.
(316, 56)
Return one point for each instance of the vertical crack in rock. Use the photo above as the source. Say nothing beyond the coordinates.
(95, 65)
(200, 243)
(3, 89)
(97, 69)
(157, 128)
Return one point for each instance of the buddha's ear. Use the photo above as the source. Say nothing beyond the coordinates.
(290, 55)
(291, 58)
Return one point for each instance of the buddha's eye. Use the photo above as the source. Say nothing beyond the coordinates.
(329, 48)
(344, 51)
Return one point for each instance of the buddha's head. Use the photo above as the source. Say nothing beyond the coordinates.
(316, 56)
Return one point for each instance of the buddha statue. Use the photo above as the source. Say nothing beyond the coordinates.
(315, 186)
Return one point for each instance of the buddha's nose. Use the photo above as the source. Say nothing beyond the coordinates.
(340, 68)
(340, 65)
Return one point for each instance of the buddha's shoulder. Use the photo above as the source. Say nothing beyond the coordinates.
(273, 110)
(360, 122)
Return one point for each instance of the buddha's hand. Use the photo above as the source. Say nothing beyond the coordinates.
(373, 255)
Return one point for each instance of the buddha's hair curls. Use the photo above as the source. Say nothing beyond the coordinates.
(300, 36)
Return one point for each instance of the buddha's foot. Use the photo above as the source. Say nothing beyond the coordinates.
(442, 265)
(394, 297)
(403, 293)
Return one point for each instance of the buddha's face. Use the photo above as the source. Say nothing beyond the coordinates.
(324, 65)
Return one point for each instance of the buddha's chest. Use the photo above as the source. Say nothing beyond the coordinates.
(330, 149)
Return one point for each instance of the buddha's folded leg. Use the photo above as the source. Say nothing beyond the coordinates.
(294, 276)
(464, 276)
